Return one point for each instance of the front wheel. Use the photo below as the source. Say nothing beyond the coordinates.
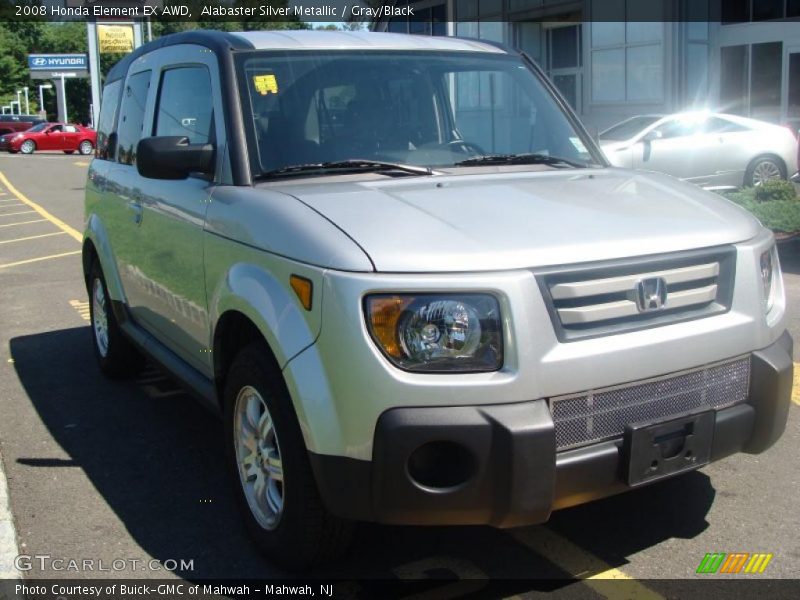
(115, 354)
(27, 147)
(268, 460)
(86, 147)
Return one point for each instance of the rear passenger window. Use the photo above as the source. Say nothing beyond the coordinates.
(134, 101)
(185, 105)
(107, 120)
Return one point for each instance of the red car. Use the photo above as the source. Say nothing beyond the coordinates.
(51, 136)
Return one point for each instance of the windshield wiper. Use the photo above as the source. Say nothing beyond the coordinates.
(355, 164)
(527, 158)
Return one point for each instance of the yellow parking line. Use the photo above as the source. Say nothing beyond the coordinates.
(81, 163)
(55, 220)
(32, 237)
(32, 260)
(583, 565)
(796, 386)
(24, 223)
(24, 212)
(82, 307)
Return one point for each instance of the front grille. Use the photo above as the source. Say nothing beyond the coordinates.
(601, 299)
(603, 414)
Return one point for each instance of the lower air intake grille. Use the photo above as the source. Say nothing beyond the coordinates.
(603, 414)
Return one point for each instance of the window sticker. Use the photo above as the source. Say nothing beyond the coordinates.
(265, 84)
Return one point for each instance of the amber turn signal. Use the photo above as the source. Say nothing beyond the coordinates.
(303, 288)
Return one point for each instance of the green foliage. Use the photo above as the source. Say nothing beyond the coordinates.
(775, 204)
(776, 190)
(20, 38)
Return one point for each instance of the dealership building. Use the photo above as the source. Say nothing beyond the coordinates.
(737, 56)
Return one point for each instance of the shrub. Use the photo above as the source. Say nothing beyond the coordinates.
(776, 190)
(778, 215)
(775, 203)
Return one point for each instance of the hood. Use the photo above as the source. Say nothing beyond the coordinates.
(499, 221)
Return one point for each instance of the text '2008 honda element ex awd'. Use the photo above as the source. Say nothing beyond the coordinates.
(412, 286)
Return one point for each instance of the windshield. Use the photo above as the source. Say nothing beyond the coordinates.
(421, 109)
(39, 127)
(628, 128)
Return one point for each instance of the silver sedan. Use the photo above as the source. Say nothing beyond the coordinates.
(710, 149)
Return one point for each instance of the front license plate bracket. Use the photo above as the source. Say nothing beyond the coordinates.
(653, 451)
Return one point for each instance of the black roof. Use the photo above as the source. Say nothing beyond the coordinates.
(218, 41)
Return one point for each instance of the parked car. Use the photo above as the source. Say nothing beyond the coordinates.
(432, 311)
(708, 149)
(14, 123)
(51, 136)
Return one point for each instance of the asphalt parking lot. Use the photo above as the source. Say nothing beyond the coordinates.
(106, 470)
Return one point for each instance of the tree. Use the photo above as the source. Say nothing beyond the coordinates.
(20, 38)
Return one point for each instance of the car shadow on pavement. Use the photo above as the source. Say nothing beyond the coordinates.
(157, 462)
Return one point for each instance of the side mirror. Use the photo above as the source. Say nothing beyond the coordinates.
(652, 135)
(173, 157)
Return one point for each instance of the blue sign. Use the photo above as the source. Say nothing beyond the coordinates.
(61, 62)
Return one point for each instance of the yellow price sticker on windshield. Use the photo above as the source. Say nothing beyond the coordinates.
(265, 84)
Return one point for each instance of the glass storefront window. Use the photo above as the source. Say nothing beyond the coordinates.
(765, 80)
(608, 75)
(733, 79)
(697, 74)
(644, 81)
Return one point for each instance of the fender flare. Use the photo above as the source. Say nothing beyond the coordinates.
(98, 236)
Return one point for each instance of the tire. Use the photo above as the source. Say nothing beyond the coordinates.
(69, 151)
(86, 147)
(27, 147)
(764, 168)
(116, 355)
(286, 516)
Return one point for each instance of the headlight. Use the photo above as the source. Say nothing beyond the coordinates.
(437, 332)
(770, 273)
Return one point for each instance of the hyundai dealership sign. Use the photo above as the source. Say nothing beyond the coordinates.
(59, 62)
(55, 66)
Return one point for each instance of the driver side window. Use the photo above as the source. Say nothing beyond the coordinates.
(184, 106)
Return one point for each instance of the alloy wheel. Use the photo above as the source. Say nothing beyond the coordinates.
(765, 170)
(100, 317)
(258, 457)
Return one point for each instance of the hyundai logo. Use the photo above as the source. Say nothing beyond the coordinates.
(39, 61)
(651, 294)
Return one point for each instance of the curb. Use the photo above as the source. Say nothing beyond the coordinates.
(8, 535)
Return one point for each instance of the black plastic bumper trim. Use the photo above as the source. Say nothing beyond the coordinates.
(518, 477)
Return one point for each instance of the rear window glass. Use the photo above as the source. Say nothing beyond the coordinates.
(134, 101)
(107, 120)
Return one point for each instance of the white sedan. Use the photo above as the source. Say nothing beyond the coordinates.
(709, 149)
